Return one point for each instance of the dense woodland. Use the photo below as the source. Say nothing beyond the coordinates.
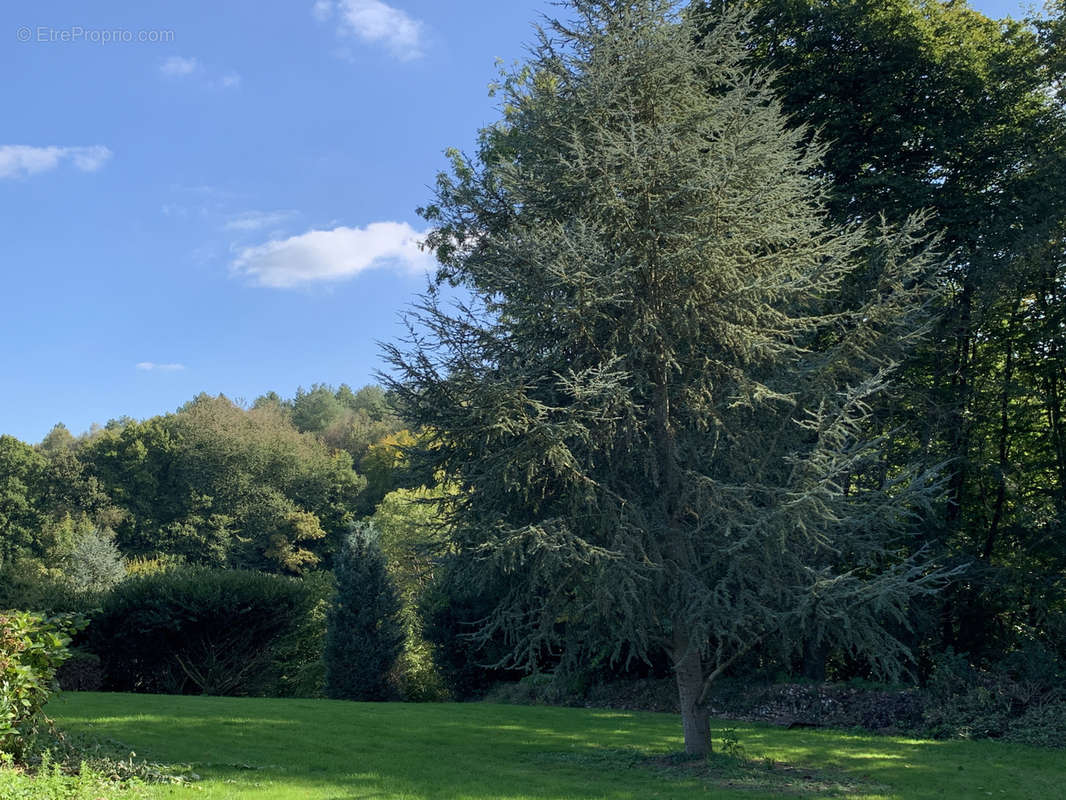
(939, 130)
(272, 487)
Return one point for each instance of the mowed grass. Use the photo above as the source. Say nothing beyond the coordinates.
(260, 749)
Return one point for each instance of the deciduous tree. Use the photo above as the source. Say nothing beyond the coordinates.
(932, 105)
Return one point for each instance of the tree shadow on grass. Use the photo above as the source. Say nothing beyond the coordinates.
(726, 771)
(920, 768)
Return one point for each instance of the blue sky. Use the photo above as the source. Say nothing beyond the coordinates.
(220, 196)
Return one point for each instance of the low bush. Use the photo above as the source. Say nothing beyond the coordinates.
(196, 630)
(32, 648)
(821, 705)
(152, 564)
(1043, 726)
(1021, 698)
(540, 689)
(818, 705)
(82, 672)
(645, 694)
(963, 702)
(415, 675)
(29, 585)
(54, 781)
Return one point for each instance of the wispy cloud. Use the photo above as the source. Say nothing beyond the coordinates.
(20, 160)
(180, 67)
(175, 210)
(375, 22)
(231, 80)
(333, 255)
(257, 220)
(213, 205)
(151, 366)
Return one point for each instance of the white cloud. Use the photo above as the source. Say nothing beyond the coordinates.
(177, 66)
(231, 80)
(20, 160)
(257, 220)
(375, 22)
(333, 255)
(181, 67)
(149, 366)
(89, 159)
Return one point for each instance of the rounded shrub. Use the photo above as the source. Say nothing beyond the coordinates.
(30, 586)
(196, 630)
(82, 672)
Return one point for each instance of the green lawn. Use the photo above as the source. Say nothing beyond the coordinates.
(331, 750)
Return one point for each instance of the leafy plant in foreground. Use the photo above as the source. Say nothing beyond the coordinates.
(32, 648)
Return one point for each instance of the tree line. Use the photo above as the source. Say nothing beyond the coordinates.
(271, 487)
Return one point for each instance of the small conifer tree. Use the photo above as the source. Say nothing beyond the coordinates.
(95, 563)
(365, 634)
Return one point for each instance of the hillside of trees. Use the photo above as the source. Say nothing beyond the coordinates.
(271, 487)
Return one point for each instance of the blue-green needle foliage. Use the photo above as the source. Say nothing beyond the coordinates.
(365, 634)
(656, 405)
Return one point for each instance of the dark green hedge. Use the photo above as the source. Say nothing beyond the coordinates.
(199, 631)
